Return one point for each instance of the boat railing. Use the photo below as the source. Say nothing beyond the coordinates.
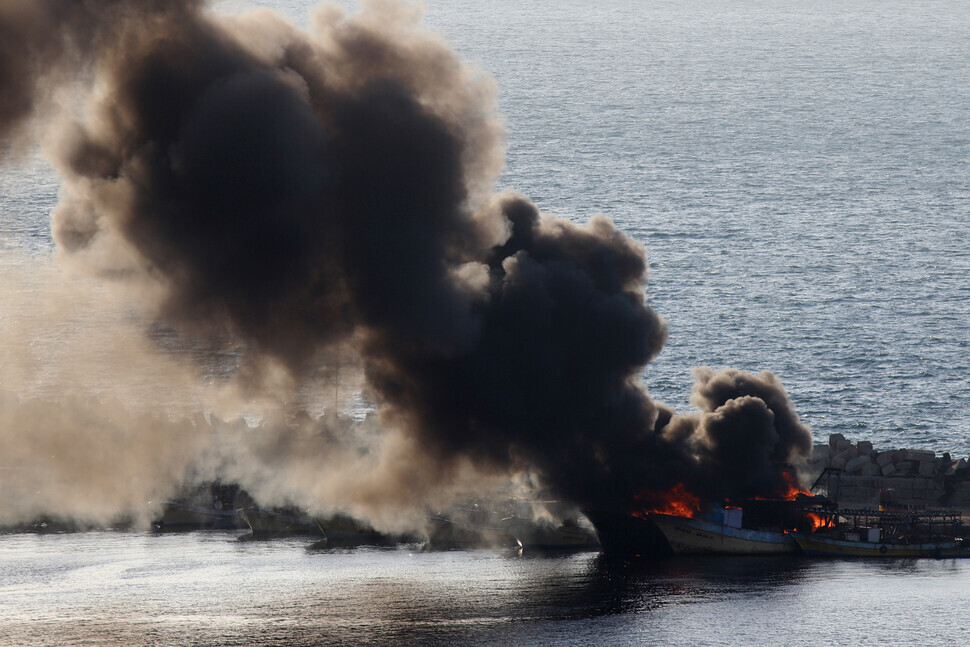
(901, 523)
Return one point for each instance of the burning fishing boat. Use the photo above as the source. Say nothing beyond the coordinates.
(755, 526)
(725, 536)
(758, 527)
(678, 522)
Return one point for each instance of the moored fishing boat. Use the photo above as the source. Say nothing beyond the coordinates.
(886, 533)
(832, 546)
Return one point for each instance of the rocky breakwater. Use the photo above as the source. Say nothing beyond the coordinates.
(913, 478)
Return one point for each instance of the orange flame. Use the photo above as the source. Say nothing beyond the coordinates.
(789, 494)
(793, 490)
(677, 501)
(818, 521)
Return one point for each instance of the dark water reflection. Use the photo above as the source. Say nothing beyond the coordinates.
(499, 599)
(604, 587)
(476, 598)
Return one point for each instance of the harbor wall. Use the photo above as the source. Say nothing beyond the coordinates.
(917, 478)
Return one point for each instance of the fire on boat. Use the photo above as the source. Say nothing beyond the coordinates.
(677, 522)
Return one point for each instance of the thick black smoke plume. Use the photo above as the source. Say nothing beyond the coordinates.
(747, 439)
(295, 191)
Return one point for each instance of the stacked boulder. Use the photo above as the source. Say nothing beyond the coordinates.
(918, 478)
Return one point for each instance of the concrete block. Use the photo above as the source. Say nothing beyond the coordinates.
(834, 441)
(871, 469)
(864, 447)
(905, 466)
(847, 454)
(889, 469)
(927, 468)
(838, 461)
(884, 459)
(917, 455)
(844, 446)
(854, 465)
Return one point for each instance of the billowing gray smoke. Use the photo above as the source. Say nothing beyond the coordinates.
(294, 192)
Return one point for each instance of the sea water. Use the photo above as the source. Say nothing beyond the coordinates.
(208, 589)
(800, 176)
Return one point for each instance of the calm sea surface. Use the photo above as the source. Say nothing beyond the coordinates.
(800, 176)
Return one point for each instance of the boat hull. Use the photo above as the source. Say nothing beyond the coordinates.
(833, 547)
(688, 536)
